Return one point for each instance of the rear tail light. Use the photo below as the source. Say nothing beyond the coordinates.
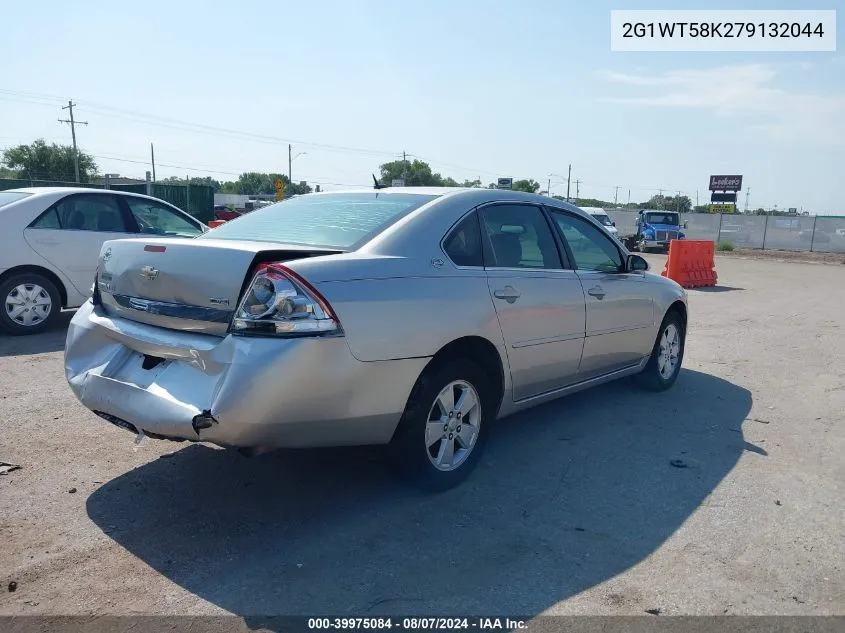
(280, 302)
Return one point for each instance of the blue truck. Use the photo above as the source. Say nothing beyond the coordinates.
(654, 230)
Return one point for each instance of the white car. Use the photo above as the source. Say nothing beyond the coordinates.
(50, 239)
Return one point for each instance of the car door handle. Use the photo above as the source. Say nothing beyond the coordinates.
(508, 293)
(597, 292)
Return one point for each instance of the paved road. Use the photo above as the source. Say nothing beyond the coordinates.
(574, 509)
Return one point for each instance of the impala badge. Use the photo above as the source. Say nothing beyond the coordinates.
(149, 273)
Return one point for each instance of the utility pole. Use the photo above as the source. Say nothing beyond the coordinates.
(568, 177)
(747, 194)
(577, 189)
(629, 196)
(696, 197)
(678, 202)
(549, 188)
(616, 196)
(73, 125)
(153, 159)
(290, 162)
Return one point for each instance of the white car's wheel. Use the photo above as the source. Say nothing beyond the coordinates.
(31, 304)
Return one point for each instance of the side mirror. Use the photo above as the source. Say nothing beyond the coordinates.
(613, 223)
(635, 264)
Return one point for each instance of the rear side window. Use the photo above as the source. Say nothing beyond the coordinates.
(86, 212)
(48, 220)
(342, 220)
(463, 246)
(520, 237)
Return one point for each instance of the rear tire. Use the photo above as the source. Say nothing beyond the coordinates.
(664, 365)
(437, 444)
(30, 304)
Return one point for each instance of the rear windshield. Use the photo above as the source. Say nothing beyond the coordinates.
(334, 220)
(662, 218)
(8, 197)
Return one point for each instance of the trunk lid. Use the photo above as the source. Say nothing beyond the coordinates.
(183, 283)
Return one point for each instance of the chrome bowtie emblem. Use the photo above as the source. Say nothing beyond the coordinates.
(149, 273)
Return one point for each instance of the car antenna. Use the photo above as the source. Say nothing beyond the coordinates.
(377, 184)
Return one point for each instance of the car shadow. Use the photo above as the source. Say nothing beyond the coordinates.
(716, 289)
(52, 340)
(567, 495)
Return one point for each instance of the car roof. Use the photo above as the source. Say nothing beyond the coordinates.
(473, 195)
(34, 191)
(37, 190)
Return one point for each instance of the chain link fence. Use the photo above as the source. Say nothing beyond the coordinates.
(823, 234)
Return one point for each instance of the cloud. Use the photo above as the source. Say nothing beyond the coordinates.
(749, 91)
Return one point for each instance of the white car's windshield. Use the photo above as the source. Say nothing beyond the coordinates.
(603, 219)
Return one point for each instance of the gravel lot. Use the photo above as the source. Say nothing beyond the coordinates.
(575, 508)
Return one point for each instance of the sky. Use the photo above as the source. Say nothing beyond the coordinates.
(477, 89)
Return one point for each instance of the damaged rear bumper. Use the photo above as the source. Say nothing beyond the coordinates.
(233, 391)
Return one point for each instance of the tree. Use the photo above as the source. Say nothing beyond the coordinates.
(39, 161)
(530, 185)
(415, 173)
(254, 183)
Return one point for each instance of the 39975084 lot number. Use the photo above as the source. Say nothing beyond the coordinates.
(722, 29)
(409, 624)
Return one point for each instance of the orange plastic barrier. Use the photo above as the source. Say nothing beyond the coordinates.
(215, 223)
(691, 263)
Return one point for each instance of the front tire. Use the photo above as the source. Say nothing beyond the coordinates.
(664, 365)
(30, 304)
(444, 428)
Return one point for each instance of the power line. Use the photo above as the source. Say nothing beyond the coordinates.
(187, 126)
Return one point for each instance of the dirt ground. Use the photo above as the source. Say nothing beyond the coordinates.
(784, 256)
(724, 495)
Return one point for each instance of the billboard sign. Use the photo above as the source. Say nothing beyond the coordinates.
(725, 183)
(504, 183)
(723, 197)
(721, 208)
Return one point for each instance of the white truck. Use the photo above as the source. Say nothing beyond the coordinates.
(603, 218)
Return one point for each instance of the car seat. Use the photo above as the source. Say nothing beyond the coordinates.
(508, 249)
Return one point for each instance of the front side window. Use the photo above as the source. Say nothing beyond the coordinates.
(156, 219)
(520, 237)
(342, 221)
(591, 248)
(463, 246)
(84, 212)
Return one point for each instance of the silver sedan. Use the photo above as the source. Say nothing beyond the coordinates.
(410, 317)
